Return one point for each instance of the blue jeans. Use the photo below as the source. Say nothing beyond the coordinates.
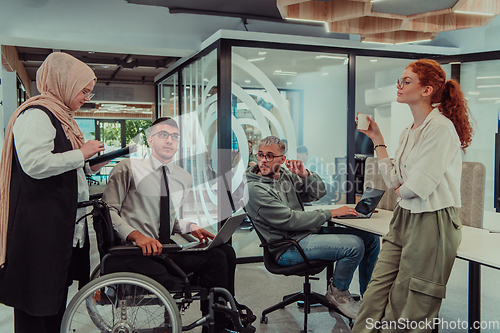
(349, 247)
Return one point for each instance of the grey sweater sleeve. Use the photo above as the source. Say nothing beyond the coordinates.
(269, 209)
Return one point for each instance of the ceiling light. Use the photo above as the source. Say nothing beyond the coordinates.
(368, 42)
(473, 13)
(455, 63)
(205, 79)
(303, 20)
(487, 77)
(262, 52)
(289, 83)
(414, 41)
(280, 72)
(326, 56)
(489, 98)
(256, 59)
(247, 81)
(490, 86)
(473, 93)
(324, 74)
(373, 60)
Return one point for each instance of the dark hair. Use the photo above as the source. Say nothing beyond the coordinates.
(452, 103)
(167, 120)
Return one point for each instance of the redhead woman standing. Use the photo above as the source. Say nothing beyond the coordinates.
(42, 178)
(413, 267)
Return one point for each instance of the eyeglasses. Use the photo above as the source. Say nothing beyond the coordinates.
(164, 135)
(268, 157)
(88, 94)
(401, 83)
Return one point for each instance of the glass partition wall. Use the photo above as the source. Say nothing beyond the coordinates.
(235, 92)
(298, 96)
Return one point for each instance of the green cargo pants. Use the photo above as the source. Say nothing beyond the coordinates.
(410, 276)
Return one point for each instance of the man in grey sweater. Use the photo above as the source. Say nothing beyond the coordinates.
(275, 194)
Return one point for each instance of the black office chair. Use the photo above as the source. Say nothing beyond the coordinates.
(305, 269)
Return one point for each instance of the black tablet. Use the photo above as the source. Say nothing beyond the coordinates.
(112, 155)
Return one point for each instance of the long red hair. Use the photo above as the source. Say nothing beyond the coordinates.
(448, 94)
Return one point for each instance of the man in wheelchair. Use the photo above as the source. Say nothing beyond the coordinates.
(143, 196)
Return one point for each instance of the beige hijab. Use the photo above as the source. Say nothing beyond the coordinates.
(59, 80)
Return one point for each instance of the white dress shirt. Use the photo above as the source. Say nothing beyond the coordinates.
(34, 137)
(133, 194)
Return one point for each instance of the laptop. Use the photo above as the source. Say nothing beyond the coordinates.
(222, 236)
(367, 204)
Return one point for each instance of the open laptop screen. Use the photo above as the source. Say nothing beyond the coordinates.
(369, 201)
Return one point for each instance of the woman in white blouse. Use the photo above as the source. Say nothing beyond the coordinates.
(413, 267)
(41, 180)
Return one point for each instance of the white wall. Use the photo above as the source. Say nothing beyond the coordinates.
(325, 113)
(485, 117)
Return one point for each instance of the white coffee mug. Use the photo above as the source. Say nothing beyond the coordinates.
(363, 121)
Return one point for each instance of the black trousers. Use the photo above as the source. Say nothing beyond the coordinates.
(215, 268)
(79, 270)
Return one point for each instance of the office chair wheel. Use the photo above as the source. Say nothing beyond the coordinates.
(122, 303)
(263, 320)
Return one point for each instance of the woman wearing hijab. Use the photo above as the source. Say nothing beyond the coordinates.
(42, 177)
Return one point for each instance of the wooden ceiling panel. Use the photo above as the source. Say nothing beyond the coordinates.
(357, 17)
(364, 25)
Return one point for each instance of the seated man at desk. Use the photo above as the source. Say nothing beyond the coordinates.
(140, 215)
(276, 194)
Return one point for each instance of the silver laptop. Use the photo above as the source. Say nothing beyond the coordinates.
(222, 236)
(367, 204)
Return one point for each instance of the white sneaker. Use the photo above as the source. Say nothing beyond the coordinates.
(343, 301)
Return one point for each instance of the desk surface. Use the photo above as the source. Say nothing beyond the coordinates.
(477, 245)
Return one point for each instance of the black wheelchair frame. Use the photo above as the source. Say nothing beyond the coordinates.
(128, 302)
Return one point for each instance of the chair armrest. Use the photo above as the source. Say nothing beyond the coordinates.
(292, 242)
(136, 250)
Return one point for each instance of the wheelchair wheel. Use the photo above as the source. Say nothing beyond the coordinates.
(96, 273)
(122, 303)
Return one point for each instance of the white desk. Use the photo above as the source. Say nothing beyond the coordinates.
(478, 247)
(491, 221)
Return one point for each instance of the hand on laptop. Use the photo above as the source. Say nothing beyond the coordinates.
(342, 211)
(200, 233)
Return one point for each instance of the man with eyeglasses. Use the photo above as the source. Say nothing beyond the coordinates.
(276, 194)
(133, 195)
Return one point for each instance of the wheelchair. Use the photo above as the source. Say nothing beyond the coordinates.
(118, 301)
